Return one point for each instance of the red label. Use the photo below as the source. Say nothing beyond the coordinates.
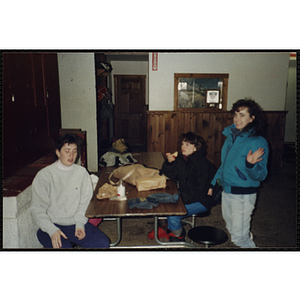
(154, 61)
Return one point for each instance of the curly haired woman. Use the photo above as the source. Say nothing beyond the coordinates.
(244, 160)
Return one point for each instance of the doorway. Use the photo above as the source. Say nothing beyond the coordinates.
(130, 110)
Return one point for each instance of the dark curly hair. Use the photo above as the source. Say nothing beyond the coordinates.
(194, 139)
(259, 124)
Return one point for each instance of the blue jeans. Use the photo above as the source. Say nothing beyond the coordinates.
(236, 211)
(174, 222)
(94, 238)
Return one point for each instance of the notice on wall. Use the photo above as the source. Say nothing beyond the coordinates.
(154, 61)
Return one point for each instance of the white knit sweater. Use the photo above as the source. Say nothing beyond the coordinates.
(60, 196)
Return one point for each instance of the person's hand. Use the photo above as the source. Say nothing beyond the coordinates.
(210, 192)
(80, 233)
(170, 157)
(255, 157)
(56, 239)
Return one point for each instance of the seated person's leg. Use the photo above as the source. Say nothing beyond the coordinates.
(194, 208)
(176, 231)
(94, 238)
(45, 240)
(174, 222)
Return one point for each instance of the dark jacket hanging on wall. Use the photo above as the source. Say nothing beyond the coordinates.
(194, 174)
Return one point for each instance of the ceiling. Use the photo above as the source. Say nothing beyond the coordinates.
(127, 56)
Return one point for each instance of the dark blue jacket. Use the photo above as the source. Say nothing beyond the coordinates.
(236, 174)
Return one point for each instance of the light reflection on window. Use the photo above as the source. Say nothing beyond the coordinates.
(182, 86)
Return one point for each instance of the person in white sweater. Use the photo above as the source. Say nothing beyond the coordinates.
(60, 195)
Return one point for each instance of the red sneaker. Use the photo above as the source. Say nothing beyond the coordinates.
(161, 234)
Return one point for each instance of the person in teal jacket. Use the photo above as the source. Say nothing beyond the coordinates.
(244, 159)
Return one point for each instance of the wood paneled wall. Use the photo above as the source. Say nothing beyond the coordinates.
(164, 128)
(31, 108)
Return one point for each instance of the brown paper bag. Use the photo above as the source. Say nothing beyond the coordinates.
(106, 191)
(151, 183)
(130, 173)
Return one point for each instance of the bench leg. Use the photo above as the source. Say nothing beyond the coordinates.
(119, 230)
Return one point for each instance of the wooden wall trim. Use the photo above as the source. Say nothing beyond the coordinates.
(164, 128)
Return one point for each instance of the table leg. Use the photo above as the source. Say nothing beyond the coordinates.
(161, 244)
(119, 230)
(167, 243)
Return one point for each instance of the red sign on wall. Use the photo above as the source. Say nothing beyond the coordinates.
(154, 61)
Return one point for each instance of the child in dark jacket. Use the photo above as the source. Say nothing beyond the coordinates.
(193, 172)
(244, 160)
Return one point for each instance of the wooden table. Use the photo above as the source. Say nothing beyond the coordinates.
(109, 209)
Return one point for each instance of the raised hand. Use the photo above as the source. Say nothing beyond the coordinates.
(170, 157)
(254, 157)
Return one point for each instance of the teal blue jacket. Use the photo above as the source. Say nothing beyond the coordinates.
(236, 174)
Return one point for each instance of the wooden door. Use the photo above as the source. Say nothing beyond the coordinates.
(130, 109)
